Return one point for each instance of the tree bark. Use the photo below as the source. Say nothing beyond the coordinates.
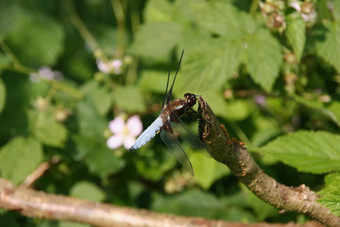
(234, 154)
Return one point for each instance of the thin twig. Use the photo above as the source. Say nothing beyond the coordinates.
(234, 154)
(42, 168)
(29, 181)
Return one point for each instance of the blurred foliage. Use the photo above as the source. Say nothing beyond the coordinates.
(269, 69)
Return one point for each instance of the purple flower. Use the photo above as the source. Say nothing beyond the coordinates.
(124, 133)
(260, 99)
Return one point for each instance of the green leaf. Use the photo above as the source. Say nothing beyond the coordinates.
(4, 60)
(8, 17)
(190, 203)
(312, 152)
(101, 98)
(91, 145)
(336, 11)
(216, 102)
(238, 110)
(220, 17)
(152, 80)
(2, 95)
(295, 33)
(148, 46)
(207, 170)
(332, 200)
(209, 65)
(331, 182)
(235, 110)
(84, 145)
(153, 164)
(263, 58)
(88, 191)
(158, 11)
(103, 161)
(191, 38)
(328, 47)
(334, 112)
(91, 124)
(50, 132)
(36, 44)
(106, 36)
(129, 99)
(19, 158)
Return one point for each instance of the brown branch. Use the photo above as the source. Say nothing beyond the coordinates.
(42, 168)
(234, 154)
(57, 207)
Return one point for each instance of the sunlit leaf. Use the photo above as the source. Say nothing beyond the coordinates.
(312, 152)
(158, 11)
(336, 10)
(235, 110)
(207, 170)
(332, 180)
(334, 111)
(220, 17)
(147, 46)
(328, 47)
(209, 65)
(263, 58)
(295, 33)
(331, 200)
(50, 132)
(19, 158)
(153, 81)
(128, 98)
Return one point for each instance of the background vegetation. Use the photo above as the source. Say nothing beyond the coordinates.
(269, 70)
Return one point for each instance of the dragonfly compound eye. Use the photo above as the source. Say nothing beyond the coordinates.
(190, 98)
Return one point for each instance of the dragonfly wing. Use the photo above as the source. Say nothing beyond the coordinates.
(148, 134)
(187, 135)
(172, 143)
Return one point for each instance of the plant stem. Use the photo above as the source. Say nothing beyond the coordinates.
(84, 32)
(120, 17)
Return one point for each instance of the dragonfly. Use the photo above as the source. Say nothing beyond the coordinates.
(168, 122)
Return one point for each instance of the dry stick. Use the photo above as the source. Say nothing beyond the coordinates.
(234, 154)
(42, 168)
(36, 204)
(32, 178)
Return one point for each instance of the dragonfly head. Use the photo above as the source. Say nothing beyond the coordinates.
(190, 99)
